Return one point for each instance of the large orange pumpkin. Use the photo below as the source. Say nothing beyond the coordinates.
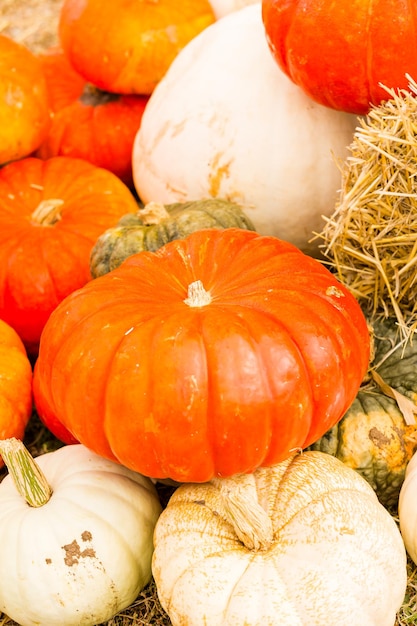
(24, 107)
(87, 122)
(15, 384)
(218, 353)
(126, 46)
(51, 213)
(340, 52)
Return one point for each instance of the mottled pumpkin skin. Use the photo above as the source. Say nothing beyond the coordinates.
(373, 439)
(373, 436)
(133, 234)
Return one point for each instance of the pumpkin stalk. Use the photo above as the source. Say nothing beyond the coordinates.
(29, 480)
(93, 96)
(249, 519)
(48, 212)
(197, 296)
(153, 213)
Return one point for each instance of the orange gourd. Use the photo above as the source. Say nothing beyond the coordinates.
(342, 53)
(131, 43)
(24, 107)
(15, 384)
(89, 123)
(51, 214)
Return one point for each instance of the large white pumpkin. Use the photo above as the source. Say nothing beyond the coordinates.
(226, 122)
(303, 543)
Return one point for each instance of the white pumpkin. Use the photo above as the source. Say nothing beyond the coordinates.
(82, 554)
(407, 508)
(224, 7)
(303, 543)
(226, 122)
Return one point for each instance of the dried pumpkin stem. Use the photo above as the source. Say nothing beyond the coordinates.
(197, 296)
(153, 213)
(249, 519)
(28, 478)
(48, 212)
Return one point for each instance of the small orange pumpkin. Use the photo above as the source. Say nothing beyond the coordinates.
(24, 107)
(15, 384)
(51, 214)
(342, 54)
(131, 43)
(89, 123)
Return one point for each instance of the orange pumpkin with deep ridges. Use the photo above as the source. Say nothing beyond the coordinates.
(51, 213)
(214, 355)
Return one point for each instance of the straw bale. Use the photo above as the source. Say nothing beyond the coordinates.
(371, 238)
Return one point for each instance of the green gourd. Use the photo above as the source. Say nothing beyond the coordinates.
(156, 224)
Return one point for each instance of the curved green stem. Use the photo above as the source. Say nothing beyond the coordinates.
(28, 478)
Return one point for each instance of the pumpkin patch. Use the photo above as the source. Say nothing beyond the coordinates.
(214, 422)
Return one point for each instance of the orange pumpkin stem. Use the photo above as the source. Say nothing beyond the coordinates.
(48, 212)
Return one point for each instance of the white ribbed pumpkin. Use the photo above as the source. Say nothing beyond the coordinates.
(303, 543)
(82, 554)
(225, 121)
